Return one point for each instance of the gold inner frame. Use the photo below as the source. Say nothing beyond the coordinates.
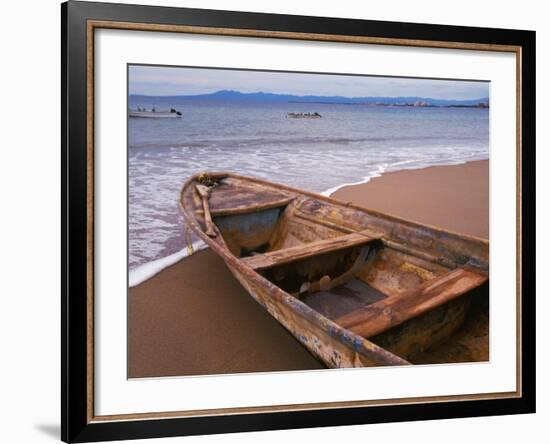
(92, 25)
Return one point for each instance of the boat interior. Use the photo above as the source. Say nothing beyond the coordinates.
(346, 264)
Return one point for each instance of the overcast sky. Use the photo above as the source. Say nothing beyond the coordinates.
(163, 81)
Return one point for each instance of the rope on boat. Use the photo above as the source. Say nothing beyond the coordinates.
(188, 242)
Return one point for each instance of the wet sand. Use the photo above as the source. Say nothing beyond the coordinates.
(194, 318)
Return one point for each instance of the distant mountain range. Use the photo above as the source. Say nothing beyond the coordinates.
(230, 95)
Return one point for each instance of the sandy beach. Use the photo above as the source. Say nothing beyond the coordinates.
(194, 318)
(454, 197)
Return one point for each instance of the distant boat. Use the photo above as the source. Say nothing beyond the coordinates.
(304, 115)
(154, 114)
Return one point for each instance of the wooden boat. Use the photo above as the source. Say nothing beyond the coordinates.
(356, 287)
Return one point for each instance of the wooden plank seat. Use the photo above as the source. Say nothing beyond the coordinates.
(387, 313)
(287, 255)
(229, 199)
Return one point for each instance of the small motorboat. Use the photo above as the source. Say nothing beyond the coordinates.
(154, 113)
(355, 286)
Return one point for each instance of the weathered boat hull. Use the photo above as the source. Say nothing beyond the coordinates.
(334, 347)
(266, 232)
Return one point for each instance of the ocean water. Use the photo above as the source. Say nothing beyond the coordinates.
(350, 144)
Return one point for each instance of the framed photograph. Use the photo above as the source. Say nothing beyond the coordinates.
(276, 221)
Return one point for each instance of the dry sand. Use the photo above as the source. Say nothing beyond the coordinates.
(194, 318)
(452, 197)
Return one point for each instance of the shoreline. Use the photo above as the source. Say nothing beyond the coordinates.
(452, 197)
(148, 270)
(383, 170)
(194, 318)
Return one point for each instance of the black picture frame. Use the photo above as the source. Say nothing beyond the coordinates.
(77, 425)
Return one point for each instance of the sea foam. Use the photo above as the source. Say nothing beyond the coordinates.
(381, 169)
(146, 271)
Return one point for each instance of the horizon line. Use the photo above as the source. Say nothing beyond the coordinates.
(300, 95)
